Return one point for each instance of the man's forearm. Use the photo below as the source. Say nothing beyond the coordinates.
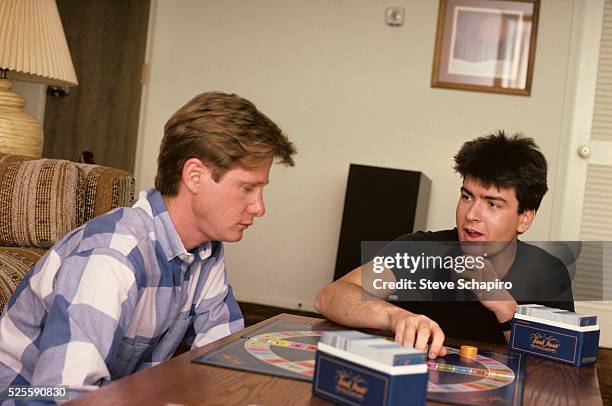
(348, 304)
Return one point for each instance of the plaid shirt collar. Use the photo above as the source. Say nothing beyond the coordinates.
(152, 203)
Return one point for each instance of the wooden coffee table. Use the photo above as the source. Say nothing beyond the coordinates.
(179, 381)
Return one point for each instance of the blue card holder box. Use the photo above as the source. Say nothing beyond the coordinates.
(553, 340)
(349, 379)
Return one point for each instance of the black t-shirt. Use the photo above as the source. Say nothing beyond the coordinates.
(535, 274)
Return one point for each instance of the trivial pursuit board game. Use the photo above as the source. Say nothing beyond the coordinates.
(288, 350)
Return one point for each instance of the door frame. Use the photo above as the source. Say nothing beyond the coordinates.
(577, 120)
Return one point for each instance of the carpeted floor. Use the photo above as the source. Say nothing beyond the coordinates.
(254, 313)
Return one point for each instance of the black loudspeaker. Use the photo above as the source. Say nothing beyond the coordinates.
(380, 205)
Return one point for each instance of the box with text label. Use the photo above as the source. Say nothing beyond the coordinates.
(574, 344)
(350, 379)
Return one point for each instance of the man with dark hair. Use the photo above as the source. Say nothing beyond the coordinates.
(121, 292)
(506, 162)
(504, 181)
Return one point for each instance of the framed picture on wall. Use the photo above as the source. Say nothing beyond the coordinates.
(486, 45)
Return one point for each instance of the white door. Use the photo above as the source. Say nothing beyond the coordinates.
(584, 203)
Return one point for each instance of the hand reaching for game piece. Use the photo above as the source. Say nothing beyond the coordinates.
(416, 330)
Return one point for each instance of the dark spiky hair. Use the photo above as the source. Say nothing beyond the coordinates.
(506, 162)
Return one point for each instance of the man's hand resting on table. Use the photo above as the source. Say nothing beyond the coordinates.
(417, 330)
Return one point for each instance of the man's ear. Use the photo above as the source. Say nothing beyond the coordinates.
(525, 220)
(195, 174)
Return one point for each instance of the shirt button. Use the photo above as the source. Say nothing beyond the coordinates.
(187, 258)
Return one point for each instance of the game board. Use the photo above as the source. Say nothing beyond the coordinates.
(492, 378)
(288, 350)
(277, 348)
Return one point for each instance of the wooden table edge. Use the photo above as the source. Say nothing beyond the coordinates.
(189, 356)
(133, 381)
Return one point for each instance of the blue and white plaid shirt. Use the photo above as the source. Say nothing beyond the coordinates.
(113, 296)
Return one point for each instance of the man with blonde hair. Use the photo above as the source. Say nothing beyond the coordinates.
(121, 292)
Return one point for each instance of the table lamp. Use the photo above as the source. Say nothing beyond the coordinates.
(33, 48)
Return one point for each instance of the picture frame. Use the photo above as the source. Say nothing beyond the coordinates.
(486, 45)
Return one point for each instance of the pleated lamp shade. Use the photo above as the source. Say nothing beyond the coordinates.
(33, 48)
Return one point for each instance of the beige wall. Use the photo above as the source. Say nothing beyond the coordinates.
(34, 96)
(346, 88)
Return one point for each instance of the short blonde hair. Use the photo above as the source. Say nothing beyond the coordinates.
(223, 131)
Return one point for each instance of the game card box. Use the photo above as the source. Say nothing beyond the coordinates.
(349, 379)
(576, 345)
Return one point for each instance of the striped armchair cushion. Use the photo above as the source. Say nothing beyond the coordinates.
(14, 265)
(40, 201)
(105, 189)
(6, 158)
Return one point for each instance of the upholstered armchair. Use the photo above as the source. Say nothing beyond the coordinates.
(43, 199)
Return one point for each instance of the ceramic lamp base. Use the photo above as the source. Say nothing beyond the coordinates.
(20, 133)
